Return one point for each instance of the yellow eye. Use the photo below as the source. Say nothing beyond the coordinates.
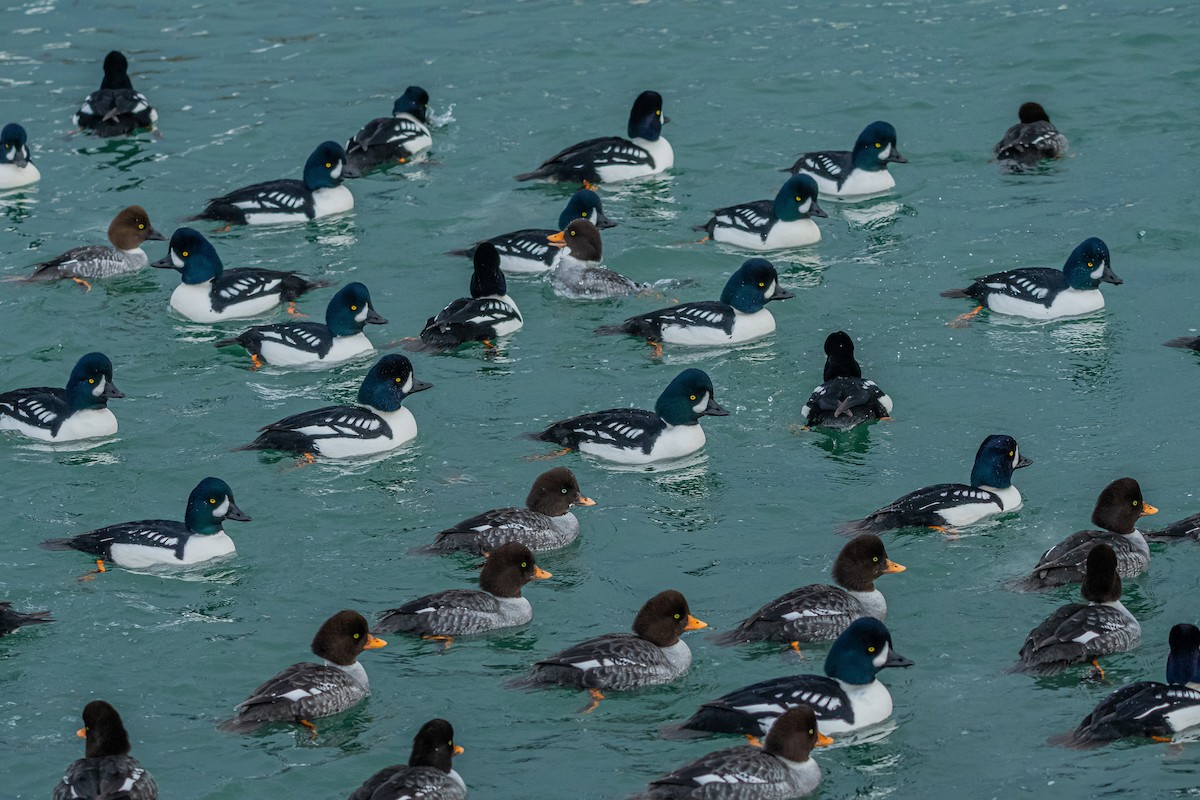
(141, 226)
(573, 233)
(761, 284)
(330, 166)
(798, 200)
(354, 308)
(93, 380)
(212, 501)
(356, 636)
(875, 559)
(878, 145)
(658, 113)
(870, 649)
(1011, 453)
(693, 397)
(184, 254)
(811, 731)
(676, 616)
(1135, 503)
(523, 565)
(584, 214)
(399, 380)
(1089, 263)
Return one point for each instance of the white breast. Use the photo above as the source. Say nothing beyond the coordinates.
(334, 200)
(679, 656)
(1068, 303)
(675, 442)
(516, 264)
(198, 548)
(194, 301)
(514, 611)
(12, 176)
(512, 325)
(796, 233)
(859, 184)
(86, 424)
(872, 602)
(872, 704)
(660, 150)
(1010, 497)
(1183, 718)
(343, 348)
(745, 328)
(402, 423)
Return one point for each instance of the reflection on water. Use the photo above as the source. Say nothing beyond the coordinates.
(843, 447)
(877, 216)
(19, 204)
(122, 155)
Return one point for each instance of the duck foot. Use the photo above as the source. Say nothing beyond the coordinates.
(658, 348)
(445, 640)
(291, 309)
(753, 740)
(596, 698)
(548, 456)
(258, 364)
(87, 287)
(312, 729)
(962, 320)
(99, 570)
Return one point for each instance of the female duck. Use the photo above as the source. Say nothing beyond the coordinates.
(428, 774)
(127, 232)
(106, 770)
(578, 274)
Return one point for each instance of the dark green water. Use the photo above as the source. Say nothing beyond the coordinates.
(245, 92)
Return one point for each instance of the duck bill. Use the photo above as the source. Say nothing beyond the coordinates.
(816, 211)
(714, 410)
(823, 740)
(457, 751)
(694, 624)
(895, 158)
(665, 119)
(111, 391)
(780, 294)
(236, 514)
(373, 318)
(350, 172)
(558, 239)
(541, 574)
(21, 158)
(1148, 509)
(1110, 277)
(603, 222)
(419, 386)
(894, 659)
(892, 566)
(374, 642)
(1022, 462)
(166, 263)
(584, 501)
(81, 733)
(154, 235)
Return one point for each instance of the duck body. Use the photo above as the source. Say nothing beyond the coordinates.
(394, 139)
(107, 771)
(784, 222)
(1030, 141)
(80, 411)
(845, 399)
(116, 108)
(127, 232)
(428, 775)
(487, 314)
(578, 274)
(11, 620)
(16, 170)
(860, 172)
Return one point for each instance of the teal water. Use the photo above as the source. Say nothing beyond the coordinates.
(245, 92)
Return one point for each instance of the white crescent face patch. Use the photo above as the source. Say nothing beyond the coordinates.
(100, 384)
(702, 404)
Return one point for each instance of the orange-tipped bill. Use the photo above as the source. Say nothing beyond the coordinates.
(81, 733)
(1148, 509)
(892, 566)
(823, 740)
(694, 624)
(585, 501)
(558, 239)
(541, 574)
(374, 643)
(458, 751)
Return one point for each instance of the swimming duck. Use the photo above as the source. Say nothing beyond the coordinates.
(80, 411)
(16, 170)
(485, 316)
(853, 173)
(546, 522)
(392, 139)
(115, 109)
(1032, 139)
(305, 691)
(612, 158)
(428, 774)
(844, 399)
(11, 620)
(106, 770)
(578, 274)
(128, 230)
(783, 222)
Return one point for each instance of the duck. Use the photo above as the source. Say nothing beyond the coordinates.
(106, 770)
(611, 158)
(16, 170)
(848, 697)
(457, 612)
(1077, 633)
(780, 770)
(740, 315)
(1184, 342)
(784, 222)
(529, 251)
(377, 424)
(129, 229)
(11, 620)
(80, 411)
(1031, 140)
(394, 139)
(634, 436)
(115, 109)
(545, 523)
(820, 612)
(319, 194)
(1147, 708)
(428, 775)
(153, 542)
(207, 292)
(578, 274)
(947, 506)
(855, 173)
(1042, 293)
(485, 316)
(653, 654)
(294, 343)
(844, 399)
(307, 691)
(1118, 509)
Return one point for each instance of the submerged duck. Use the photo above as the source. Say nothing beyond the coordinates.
(529, 249)
(428, 774)
(115, 109)
(1117, 511)
(80, 411)
(305, 691)
(207, 292)
(953, 505)
(1043, 293)
(1077, 633)
(635, 436)
(16, 170)
(780, 770)
(819, 612)
(392, 139)
(651, 655)
(378, 423)
(612, 158)
(1032, 139)
(128, 230)
(106, 770)
(339, 339)
(457, 612)
(846, 698)
(845, 399)
(485, 316)
(147, 543)
(739, 316)
(858, 172)
(11, 620)
(546, 522)
(578, 274)
(1185, 342)
(319, 194)
(1148, 708)
(785, 221)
